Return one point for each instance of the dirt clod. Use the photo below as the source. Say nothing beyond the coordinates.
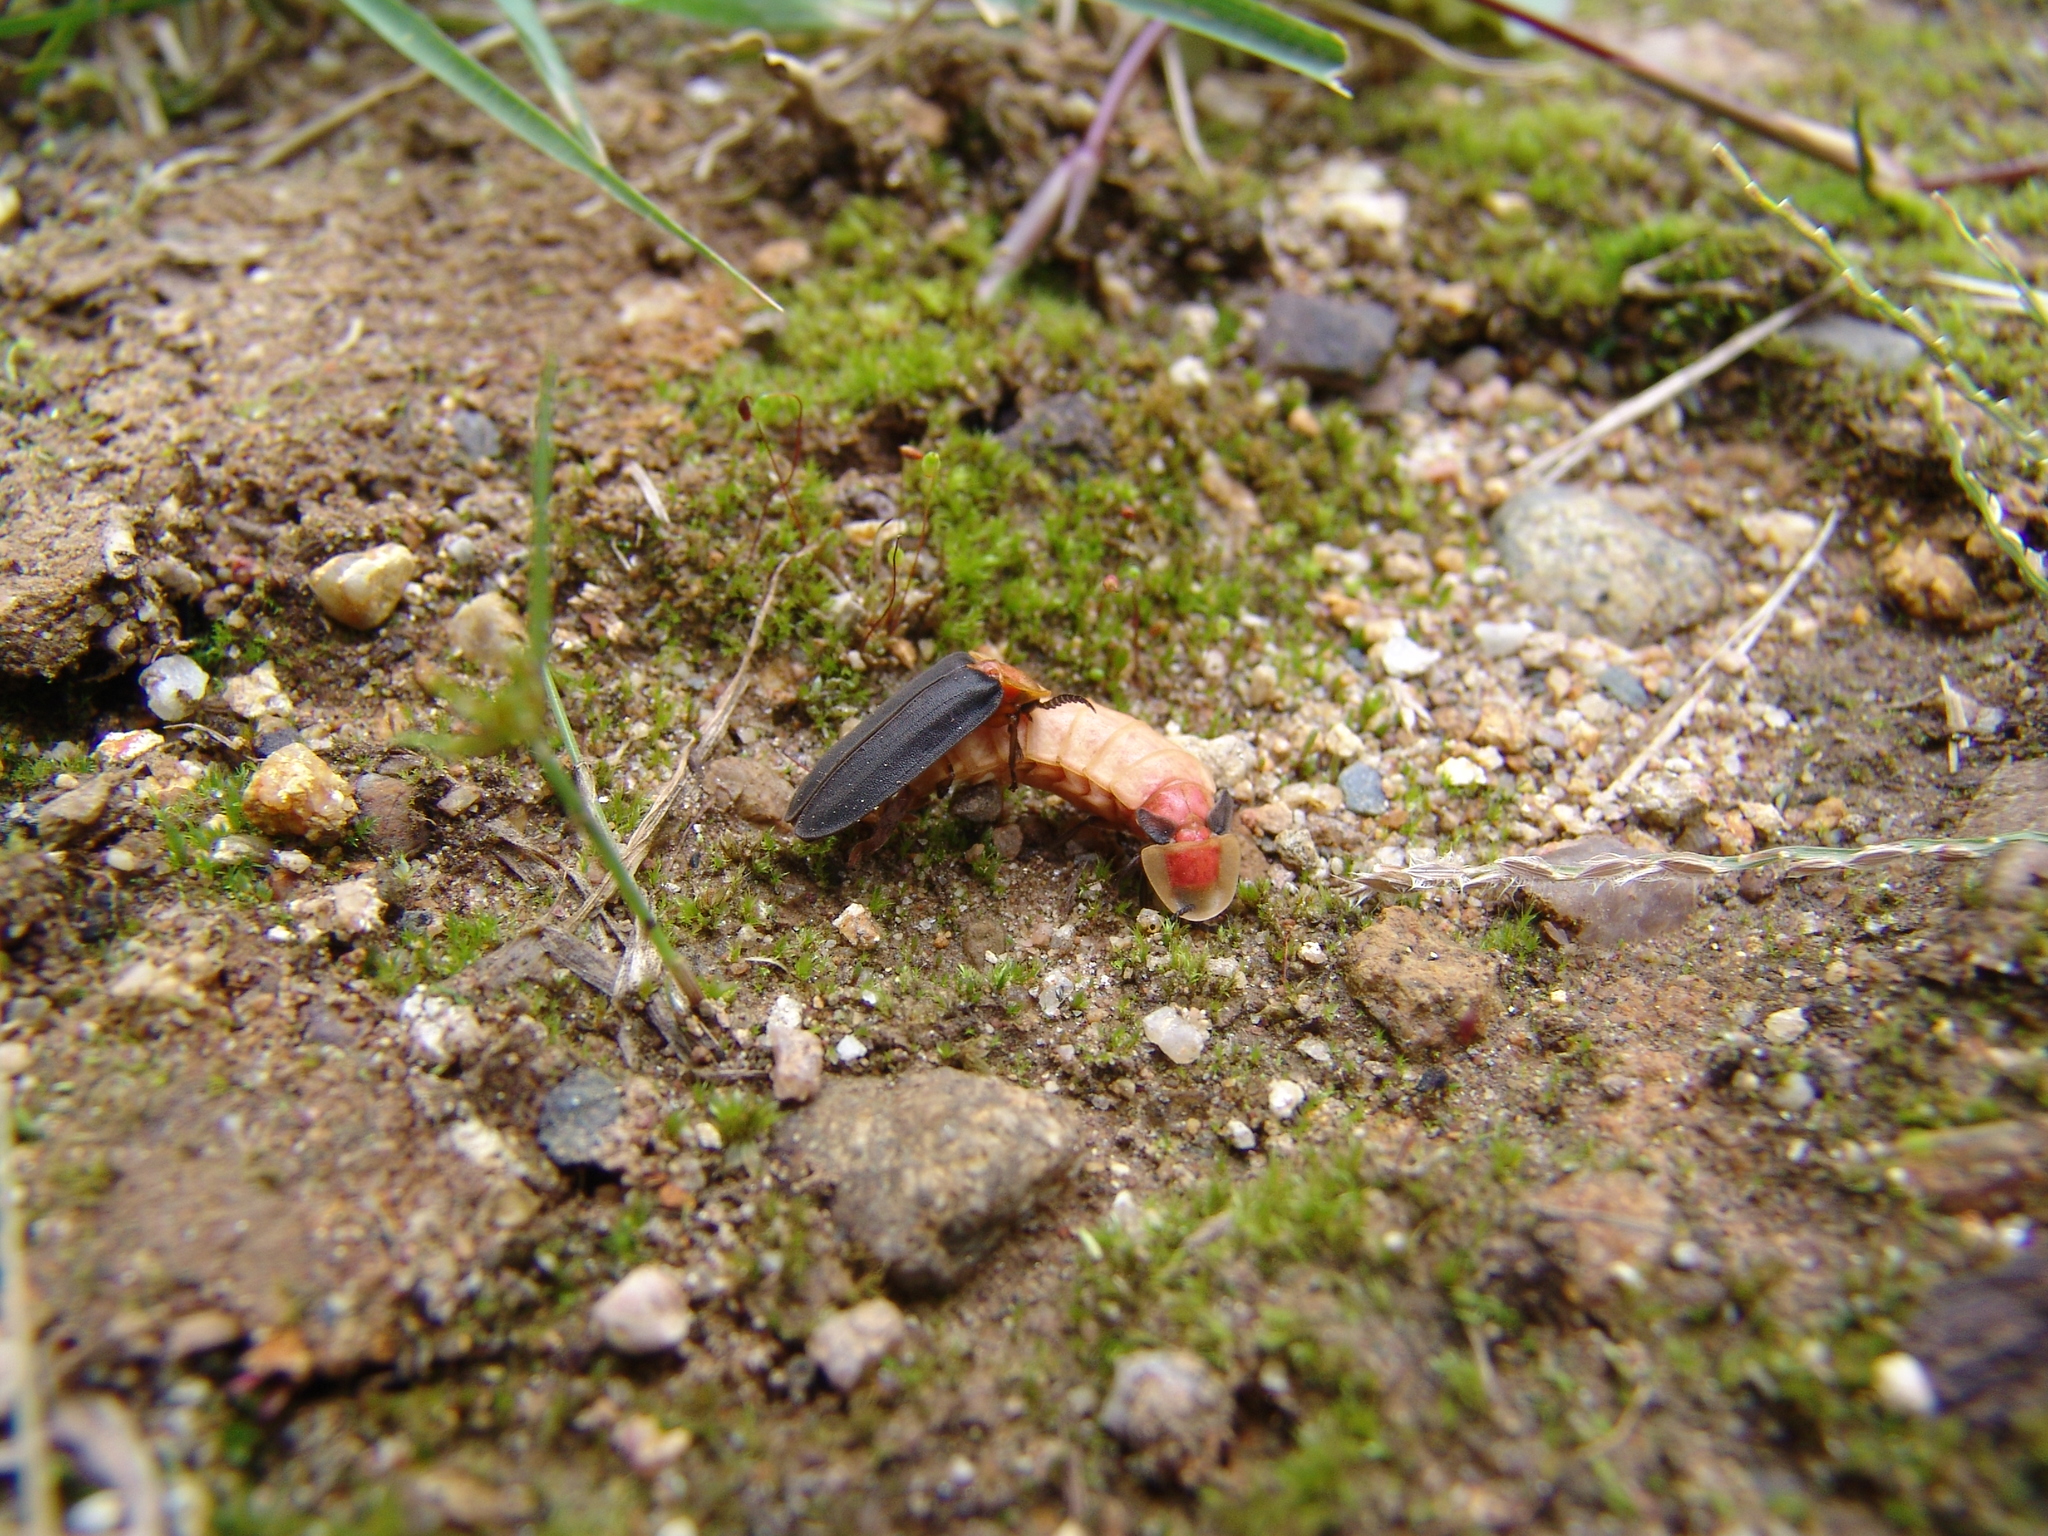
(1417, 981)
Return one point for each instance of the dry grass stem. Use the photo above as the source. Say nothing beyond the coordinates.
(1553, 464)
(1735, 649)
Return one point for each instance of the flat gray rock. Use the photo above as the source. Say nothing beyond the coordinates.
(931, 1171)
(1064, 426)
(1576, 551)
(1860, 343)
(1337, 343)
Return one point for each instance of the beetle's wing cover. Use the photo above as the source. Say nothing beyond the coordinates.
(919, 724)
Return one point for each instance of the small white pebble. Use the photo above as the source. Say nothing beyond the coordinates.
(1312, 953)
(1189, 372)
(1687, 1255)
(1241, 1136)
(1625, 1275)
(707, 1136)
(1785, 1026)
(1903, 1385)
(1284, 1097)
(849, 1049)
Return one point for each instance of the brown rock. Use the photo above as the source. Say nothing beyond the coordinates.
(779, 259)
(73, 814)
(442, 1496)
(1418, 982)
(749, 788)
(932, 1169)
(1604, 1230)
(1991, 1168)
(1926, 583)
(391, 819)
(294, 794)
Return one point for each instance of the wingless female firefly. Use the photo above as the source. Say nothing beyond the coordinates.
(973, 719)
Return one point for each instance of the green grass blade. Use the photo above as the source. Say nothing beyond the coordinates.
(553, 69)
(426, 46)
(540, 576)
(1261, 30)
(73, 17)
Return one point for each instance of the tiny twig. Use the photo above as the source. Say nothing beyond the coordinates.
(304, 137)
(35, 1492)
(1176, 70)
(1819, 141)
(1554, 463)
(729, 700)
(881, 48)
(1737, 645)
(2027, 438)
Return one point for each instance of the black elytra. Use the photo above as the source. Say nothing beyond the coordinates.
(918, 724)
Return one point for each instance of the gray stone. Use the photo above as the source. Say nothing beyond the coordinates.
(979, 803)
(477, 435)
(1475, 367)
(1170, 1412)
(576, 1116)
(1337, 343)
(1061, 426)
(845, 1344)
(932, 1169)
(1983, 1339)
(1364, 795)
(1602, 914)
(1860, 343)
(1620, 573)
(275, 739)
(1624, 687)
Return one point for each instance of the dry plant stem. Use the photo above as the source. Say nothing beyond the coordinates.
(1183, 103)
(2005, 173)
(649, 492)
(1434, 48)
(881, 49)
(2027, 438)
(1064, 194)
(35, 1494)
(1739, 644)
(304, 137)
(1830, 145)
(1553, 464)
(729, 700)
(649, 828)
(1791, 861)
(608, 854)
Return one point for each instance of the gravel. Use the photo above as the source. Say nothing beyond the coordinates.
(645, 1313)
(1411, 974)
(1178, 1033)
(1334, 343)
(293, 793)
(577, 1116)
(362, 589)
(847, 1344)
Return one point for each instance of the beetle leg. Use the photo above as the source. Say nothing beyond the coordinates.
(888, 817)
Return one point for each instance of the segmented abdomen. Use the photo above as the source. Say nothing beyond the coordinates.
(1098, 758)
